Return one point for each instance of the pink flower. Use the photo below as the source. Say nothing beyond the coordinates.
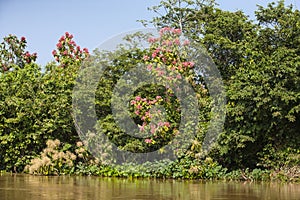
(177, 31)
(137, 112)
(160, 124)
(78, 48)
(148, 141)
(59, 45)
(85, 50)
(158, 97)
(177, 41)
(163, 30)
(153, 102)
(65, 52)
(178, 76)
(154, 55)
(138, 98)
(147, 114)
(146, 57)
(151, 40)
(23, 39)
(191, 64)
(71, 42)
(27, 54)
(167, 124)
(62, 38)
(54, 53)
(186, 42)
(67, 34)
(142, 128)
(133, 102)
(149, 67)
(138, 107)
(160, 73)
(185, 64)
(153, 129)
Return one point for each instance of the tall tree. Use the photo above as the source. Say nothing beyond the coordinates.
(259, 63)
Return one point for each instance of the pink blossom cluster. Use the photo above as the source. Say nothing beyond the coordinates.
(167, 30)
(142, 107)
(29, 57)
(68, 51)
(12, 50)
(167, 61)
(167, 49)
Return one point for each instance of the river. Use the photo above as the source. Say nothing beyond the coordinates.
(23, 187)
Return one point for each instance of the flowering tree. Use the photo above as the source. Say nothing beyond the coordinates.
(35, 106)
(12, 53)
(154, 108)
(166, 60)
(58, 83)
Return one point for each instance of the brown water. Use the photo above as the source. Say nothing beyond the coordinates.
(23, 187)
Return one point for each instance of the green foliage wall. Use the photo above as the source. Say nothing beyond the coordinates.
(258, 60)
(259, 63)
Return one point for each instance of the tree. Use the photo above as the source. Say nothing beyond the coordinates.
(18, 116)
(264, 94)
(154, 108)
(259, 63)
(12, 52)
(224, 34)
(35, 106)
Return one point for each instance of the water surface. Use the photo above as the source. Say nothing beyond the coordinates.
(23, 187)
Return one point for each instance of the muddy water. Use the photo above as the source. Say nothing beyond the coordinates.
(23, 187)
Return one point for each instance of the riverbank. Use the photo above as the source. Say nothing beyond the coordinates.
(59, 159)
(208, 172)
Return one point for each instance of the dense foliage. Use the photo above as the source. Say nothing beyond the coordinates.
(259, 62)
(35, 106)
(149, 104)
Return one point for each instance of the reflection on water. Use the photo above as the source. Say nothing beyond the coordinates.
(23, 187)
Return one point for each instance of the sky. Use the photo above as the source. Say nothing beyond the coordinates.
(91, 22)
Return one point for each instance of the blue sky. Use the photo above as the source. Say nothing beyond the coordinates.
(91, 22)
